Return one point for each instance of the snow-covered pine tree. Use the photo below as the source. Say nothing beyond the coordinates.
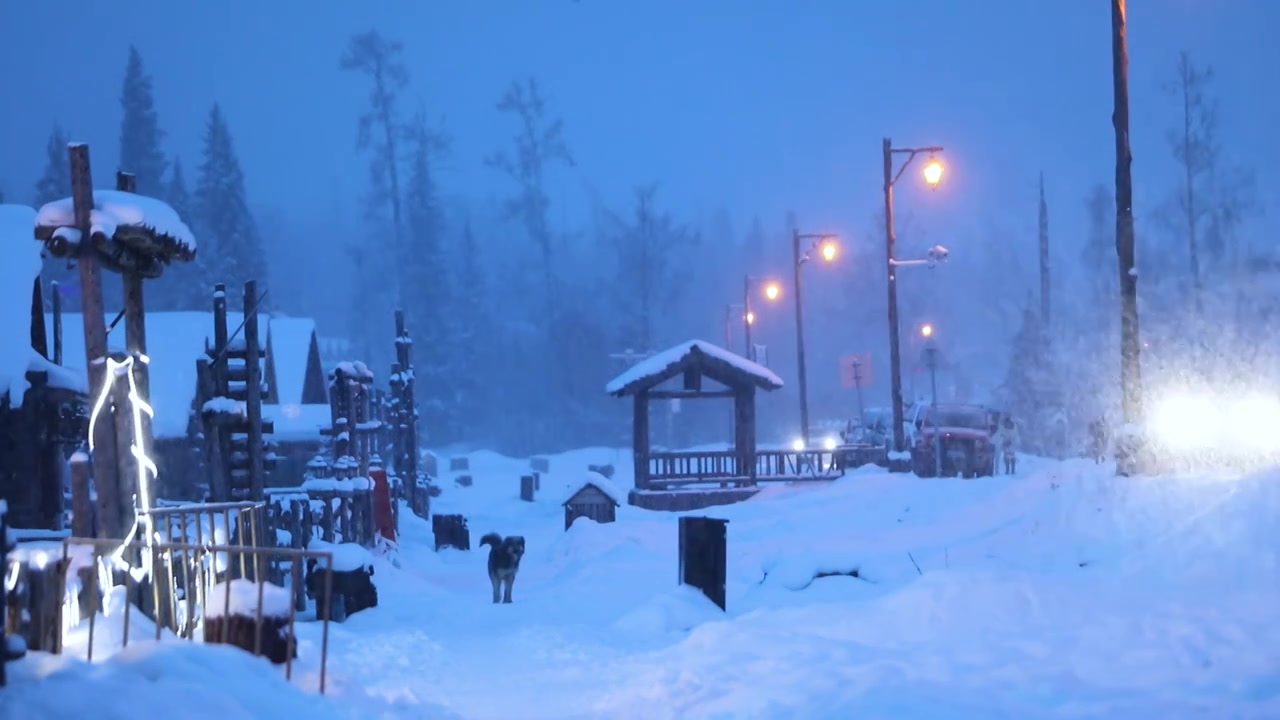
(225, 229)
(184, 286)
(472, 381)
(1031, 388)
(140, 133)
(425, 286)
(651, 250)
(55, 183)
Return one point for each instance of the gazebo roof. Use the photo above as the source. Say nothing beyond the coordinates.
(712, 361)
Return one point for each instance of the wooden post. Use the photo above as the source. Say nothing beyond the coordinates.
(253, 389)
(135, 334)
(640, 440)
(81, 500)
(218, 489)
(56, 291)
(407, 422)
(95, 345)
(39, 336)
(1130, 339)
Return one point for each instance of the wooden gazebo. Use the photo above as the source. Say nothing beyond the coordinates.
(695, 362)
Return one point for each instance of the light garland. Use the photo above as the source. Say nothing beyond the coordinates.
(146, 466)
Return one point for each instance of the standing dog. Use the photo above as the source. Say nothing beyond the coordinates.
(504, 562)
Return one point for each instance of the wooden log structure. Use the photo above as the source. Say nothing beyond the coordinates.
(405, 418)
(352, 590)
(451, 531)
(254, 616)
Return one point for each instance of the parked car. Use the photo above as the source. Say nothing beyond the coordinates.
(966, 441)
(864, 442)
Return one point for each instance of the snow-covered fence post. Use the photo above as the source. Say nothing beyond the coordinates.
(253, 392)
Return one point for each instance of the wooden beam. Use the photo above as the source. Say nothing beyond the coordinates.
(95, 345)
(689, 395)
(640, 439)
(135, 338)
(253, 389)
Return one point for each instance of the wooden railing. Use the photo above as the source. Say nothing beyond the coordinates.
(694, 466)
(796, 465)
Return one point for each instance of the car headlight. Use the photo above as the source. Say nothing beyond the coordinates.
(797, 444)
(830, 443)
(1185, 421)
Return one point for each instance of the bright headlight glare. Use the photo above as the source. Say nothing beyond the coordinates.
(1255, 422)
(1185, 421)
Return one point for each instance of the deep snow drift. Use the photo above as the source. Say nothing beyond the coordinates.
(1063, 592)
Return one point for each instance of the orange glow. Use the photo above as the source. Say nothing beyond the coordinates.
(926, 330)
(772, 291)
(751, 318)
(829, 251)
(933, 172)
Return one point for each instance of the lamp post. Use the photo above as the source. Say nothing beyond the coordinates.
(931, 360)
(932, 176)
(771, 292)
(728, 322)
(826, 243)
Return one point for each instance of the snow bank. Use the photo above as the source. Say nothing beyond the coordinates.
(659, 363)
(243, 600)
(113, 208)
(157, 680)
(347, 557)
(18, 271)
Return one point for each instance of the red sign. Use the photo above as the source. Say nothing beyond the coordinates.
(855, 370)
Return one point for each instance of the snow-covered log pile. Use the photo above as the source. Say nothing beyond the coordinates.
(130, 232)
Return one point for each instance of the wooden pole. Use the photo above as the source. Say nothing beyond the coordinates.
(95, 345)
(253, 390)
(56, 291)
(1130, 344)
(39, 336)
(135, 334)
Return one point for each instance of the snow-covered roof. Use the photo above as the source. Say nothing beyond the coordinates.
(290, 339)
(19, 269)
(658, 367)
(115, 209)
(601, 483)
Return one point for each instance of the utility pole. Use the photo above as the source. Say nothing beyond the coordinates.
(931, 358)
(1130, 344)
(1044, 258)
(895, 353)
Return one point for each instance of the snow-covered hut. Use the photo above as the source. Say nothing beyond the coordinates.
(41, 404)
(596, 498)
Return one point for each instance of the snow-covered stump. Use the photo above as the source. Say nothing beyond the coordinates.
(350, 581)
(255, 617)
(35, 601)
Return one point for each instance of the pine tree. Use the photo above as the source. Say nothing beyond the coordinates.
(55, 183)
(140, 133)
(426, 290)
(226, 232)
(473, 327)
(1031, 387)
(183, 286)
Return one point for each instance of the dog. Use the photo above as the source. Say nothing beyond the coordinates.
(504, 563)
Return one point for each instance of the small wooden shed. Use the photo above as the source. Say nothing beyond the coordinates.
(596, 498)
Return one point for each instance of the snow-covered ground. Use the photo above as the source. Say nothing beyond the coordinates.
(1063, 592)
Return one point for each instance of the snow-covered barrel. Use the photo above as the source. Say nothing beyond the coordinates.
(130, 232)
(231, 617)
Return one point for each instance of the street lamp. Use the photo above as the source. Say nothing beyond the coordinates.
(825, 244)
(771, 292)
(932, 176)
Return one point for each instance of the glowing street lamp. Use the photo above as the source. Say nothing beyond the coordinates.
(926, 330)
(933, 173)
(772, 291)
(825, 244)
(932, 176)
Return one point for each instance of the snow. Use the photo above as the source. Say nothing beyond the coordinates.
(242, 600)
(347, 557)
(1061, 592)
(150, 680)
(660, 362)
(113, 208)
(225, 406)
(298, 422)
(18, 272)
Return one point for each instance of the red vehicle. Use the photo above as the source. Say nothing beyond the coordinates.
(966, 443)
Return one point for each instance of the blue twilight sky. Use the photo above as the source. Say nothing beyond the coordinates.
(757, 106)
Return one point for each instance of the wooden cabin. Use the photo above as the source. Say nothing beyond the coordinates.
(596, 499)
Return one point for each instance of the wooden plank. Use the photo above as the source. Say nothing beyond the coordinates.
(56, 299)
(95, 344)
(689, 394)
(253, 388)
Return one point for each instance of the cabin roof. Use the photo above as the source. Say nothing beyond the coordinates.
(712, 361)
(601, 483)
